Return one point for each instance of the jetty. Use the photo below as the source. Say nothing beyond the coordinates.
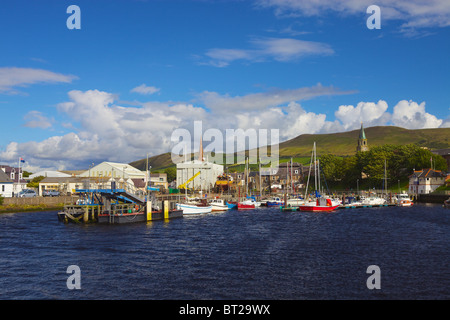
(117, 206)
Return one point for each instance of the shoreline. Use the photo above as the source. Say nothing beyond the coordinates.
(29, 208)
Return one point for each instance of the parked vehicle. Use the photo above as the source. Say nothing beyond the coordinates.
(50, 193)
(27, 193)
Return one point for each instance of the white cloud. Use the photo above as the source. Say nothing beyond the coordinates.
(146, 90)
(266, 49)
(259, 101)
(372, 114)
(103, 130)
(411, 115)
(11, 77)
(415, 14)
(35, 119)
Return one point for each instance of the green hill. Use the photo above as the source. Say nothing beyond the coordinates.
(340, 144)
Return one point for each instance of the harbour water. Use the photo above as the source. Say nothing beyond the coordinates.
(235, 255)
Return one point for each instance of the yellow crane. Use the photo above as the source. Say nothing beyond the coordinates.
(183, 186)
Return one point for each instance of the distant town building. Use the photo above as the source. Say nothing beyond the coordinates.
(426, 181)
(6, 185)
(16, 175)
(362, 141)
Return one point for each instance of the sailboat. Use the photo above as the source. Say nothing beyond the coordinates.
(248, 203)
(195, 205)
(321, 204)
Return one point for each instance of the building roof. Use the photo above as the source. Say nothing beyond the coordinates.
(9, 169)
(118, 167)
(441, 152)
(428, 173)
(48, 173)
(4, 178)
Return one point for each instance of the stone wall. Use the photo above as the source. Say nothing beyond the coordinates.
(39, 200)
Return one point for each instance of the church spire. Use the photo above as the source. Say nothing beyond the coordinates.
(362, 141)
(362, 134)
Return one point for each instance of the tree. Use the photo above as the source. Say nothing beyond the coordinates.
(35, 182)
(171, 174)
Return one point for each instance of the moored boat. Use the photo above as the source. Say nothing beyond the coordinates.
(320, 205)
(192, 207)
(218, 205)
(403, 200)
(247, 204)
(274, 202)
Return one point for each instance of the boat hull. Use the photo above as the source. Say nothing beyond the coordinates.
(405, 203)
(219, 207)
(244, 206)
(193, 209)
(274, 203)
(316, 208)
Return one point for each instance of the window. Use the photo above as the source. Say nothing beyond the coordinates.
(3, 188)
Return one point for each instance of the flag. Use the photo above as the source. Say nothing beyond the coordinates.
(21, 160)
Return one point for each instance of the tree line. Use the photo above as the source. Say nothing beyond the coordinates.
(400, 161)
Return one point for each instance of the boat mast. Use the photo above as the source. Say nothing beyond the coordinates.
(260, 186)
(309, 173)
(315, 167)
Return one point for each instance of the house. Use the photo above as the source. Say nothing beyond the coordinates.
(426, 181)
(6, 185)
(16, 175)
(159, 180)
(287, 174)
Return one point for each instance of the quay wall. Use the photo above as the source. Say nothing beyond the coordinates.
(49, 201)
(432, 198)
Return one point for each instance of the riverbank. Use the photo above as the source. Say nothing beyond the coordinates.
(13, 208)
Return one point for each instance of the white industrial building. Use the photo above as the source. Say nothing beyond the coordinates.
(207, 178)
(206, 173)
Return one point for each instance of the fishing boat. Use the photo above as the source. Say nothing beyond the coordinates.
(231, 205)
(195, 208)
(295, 202)
(321, 204)
(403, 200)
(247, 204)
(274, 202)
(218, 205)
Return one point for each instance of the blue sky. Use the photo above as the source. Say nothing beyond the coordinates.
(137, 70)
